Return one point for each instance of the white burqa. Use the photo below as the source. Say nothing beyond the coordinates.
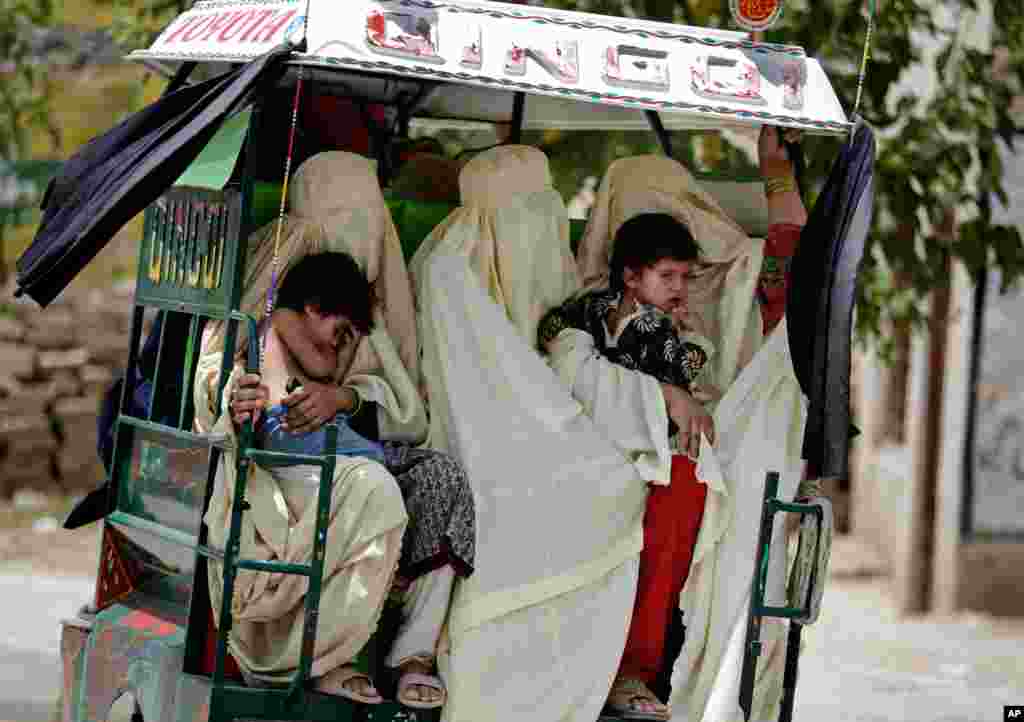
(759, 424)
(537, 631)
(540, 628)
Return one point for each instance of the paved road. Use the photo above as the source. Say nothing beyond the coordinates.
(30, 640)
(861, 664)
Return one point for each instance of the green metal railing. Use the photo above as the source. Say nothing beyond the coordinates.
(796, 611)
(190, 262)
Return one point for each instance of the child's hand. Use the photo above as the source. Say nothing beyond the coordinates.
(687, 321)
(311, 407)
(691, 418)
(247, 399)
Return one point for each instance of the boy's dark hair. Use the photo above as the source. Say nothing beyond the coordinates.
(332, 283)
(645, 239)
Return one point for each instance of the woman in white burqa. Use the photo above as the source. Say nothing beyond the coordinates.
(737, 298)
(336, 205)
(560, 478)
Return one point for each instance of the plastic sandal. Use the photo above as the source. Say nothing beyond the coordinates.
(625, 696)
(409, 679)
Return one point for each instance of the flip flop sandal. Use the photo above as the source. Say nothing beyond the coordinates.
(334, 683)
(624, 696)
(409, 679)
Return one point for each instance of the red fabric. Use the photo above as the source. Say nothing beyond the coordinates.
(671, 523)
(338, 124)
(673, 513)
(231, 670)
(779, 246)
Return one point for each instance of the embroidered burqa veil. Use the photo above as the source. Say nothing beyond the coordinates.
(538, 630)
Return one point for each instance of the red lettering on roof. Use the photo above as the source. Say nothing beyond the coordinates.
(263, 15)
(270, 30)
(183, 25)
(220, 22)
(236, 24)
(195, 30)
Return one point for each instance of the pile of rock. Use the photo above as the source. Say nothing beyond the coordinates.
(55, 365)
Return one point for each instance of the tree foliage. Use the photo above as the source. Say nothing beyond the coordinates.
(24, 90)
(140, 21)
(937, 151)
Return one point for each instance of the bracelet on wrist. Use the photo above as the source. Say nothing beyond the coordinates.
(779, 184)
(357, 404)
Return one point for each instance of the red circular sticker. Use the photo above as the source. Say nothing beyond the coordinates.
(755, 14)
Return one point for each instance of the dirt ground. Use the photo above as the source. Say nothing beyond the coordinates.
(31, 538)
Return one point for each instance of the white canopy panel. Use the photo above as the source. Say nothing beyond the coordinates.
(580, 70)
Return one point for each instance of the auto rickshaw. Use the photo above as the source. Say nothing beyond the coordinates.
(401, 63)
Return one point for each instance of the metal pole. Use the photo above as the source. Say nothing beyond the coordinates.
(789, 678)
(654, 120)
(752, 647)
(515, 134)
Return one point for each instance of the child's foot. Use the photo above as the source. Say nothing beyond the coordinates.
(630, 699)
(419, 687)
(348, 682)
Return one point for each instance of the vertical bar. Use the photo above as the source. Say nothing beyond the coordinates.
(236, 228)
(190, 244)
(515, 134)
(186, 383)
(231, 553)
(122, 439)
(163, 234)
(654, 120)
(789, 678)
(147, 246)
(753, 642)
(156, 369)
(238, 506)
(323, 513)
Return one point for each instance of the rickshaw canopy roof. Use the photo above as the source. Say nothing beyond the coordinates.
(467, 59)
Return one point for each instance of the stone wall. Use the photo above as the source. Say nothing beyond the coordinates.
(55, 365)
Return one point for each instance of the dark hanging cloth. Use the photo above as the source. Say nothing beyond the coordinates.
(820, 298)
(110, 180)
(117, 174)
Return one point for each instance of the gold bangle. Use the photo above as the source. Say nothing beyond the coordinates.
(809, 488)
(358, 404)
(779, 184)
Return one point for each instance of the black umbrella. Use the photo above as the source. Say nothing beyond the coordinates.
(820, 298)
(117, 174)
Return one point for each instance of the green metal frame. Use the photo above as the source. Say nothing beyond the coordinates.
(759, 610)
(191, 261)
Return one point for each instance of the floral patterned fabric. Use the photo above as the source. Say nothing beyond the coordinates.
(647, 340)
(439, 500)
